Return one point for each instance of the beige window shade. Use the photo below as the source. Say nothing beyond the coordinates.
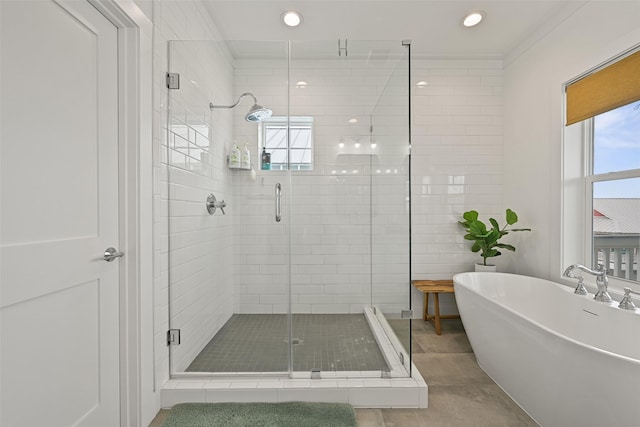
(614, 86)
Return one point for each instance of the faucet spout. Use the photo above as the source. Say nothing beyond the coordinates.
(602, 282)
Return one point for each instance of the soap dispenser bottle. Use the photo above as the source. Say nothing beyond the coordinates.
(266, 160)
(234, 157)
(245, 158)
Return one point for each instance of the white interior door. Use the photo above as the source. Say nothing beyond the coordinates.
(59, 315)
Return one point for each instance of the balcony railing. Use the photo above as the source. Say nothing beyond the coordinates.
(619, 254)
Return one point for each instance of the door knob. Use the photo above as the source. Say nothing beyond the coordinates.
(111, 253)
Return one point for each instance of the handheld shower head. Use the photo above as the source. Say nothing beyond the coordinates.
(256, 113)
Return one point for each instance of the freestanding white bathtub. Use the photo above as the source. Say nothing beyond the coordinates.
(566, 359)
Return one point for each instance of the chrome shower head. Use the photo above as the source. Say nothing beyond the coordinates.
(257, 113)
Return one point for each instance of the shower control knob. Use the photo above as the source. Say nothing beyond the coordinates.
(213, 204)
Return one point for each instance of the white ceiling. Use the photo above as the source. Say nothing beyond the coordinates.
(433, 26)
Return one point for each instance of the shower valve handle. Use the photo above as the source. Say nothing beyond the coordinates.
(213, 204)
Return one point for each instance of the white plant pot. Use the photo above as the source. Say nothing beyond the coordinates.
(489, 267)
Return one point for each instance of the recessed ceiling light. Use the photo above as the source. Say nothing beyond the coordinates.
(291, 18)
(421, 83)
(353, 120)
(302, 85)
(472, 19)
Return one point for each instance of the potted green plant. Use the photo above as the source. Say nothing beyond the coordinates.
(486, 240)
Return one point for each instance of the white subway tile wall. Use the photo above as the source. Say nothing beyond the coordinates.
(457, 166)
(192, 250)
(200, 267)
(456, 162)
(456, 159)
(239, 262)
(346, 219)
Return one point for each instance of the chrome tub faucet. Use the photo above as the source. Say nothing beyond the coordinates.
(627, 303)
(602, 282)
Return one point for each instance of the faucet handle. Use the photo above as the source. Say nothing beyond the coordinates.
(627, 302)
(221, 205)
(580, 289)
(213, 204)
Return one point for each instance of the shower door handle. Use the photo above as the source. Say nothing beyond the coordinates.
(278, 204)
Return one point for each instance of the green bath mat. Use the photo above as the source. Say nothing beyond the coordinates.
(294, 414)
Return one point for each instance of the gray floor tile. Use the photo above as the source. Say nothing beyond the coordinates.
(450, 369)
(369, 418)
(477, 405)
(416, 348)
(259, 343)
(159, 419)
(461, 406)
(448, 342)
(446, 326)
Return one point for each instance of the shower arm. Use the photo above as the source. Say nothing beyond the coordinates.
(255, 101)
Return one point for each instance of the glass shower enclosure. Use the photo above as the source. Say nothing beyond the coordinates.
(288, 237)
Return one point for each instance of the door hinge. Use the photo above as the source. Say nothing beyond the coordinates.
(173, 80)
(406, 314)
(342, 49)
(173, 337)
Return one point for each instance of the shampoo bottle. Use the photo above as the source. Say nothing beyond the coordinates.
(245, 158)
(234, 157)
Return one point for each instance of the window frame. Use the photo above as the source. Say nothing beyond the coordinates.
(290, 122)
(589, 179)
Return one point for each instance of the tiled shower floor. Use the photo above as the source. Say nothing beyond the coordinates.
(258, 343)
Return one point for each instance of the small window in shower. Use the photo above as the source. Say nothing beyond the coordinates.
(295, 155)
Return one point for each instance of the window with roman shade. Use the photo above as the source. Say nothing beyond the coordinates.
(604, 108)
(604, 89)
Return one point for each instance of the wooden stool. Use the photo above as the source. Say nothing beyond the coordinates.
(435, 287)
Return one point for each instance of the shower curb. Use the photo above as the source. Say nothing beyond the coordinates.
(361, 389)
(359, 392)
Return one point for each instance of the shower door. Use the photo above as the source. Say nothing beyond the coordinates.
(228, 269)
(350, 208)
(391, 202)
